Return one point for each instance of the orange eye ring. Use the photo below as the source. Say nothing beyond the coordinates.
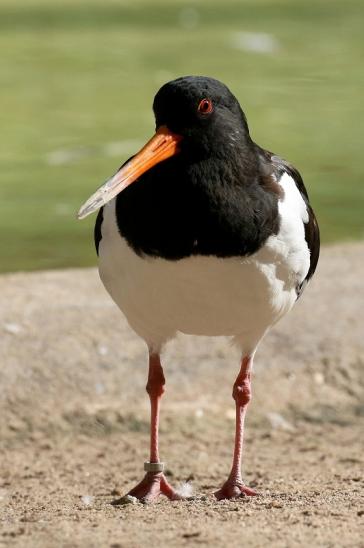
(205, 106)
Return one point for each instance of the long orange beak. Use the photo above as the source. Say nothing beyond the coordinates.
(161, 146)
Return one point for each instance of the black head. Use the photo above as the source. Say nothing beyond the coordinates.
(197, 187)
(204, 112)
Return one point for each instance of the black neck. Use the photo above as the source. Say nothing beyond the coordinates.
(206, 207)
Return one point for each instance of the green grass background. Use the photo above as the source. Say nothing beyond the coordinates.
(77, 81)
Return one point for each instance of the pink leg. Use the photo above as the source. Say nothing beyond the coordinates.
(154, 482)
(234, 486)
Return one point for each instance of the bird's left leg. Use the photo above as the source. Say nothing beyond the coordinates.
(234, 486)
(154, 482)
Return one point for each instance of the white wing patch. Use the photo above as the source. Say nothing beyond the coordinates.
(293, 204)
(293, 212)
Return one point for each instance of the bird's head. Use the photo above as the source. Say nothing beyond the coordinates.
(196, 117)
(202, 111)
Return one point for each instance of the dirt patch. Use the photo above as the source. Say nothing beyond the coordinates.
(74, 420)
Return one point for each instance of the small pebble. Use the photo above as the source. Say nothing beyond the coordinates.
(127, 499)
(274, 504)
(191, 535)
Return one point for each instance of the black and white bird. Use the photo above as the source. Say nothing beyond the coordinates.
(206, 233)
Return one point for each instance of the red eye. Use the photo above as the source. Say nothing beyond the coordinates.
(205, 106)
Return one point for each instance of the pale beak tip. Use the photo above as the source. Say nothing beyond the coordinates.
(83, 212)
(79, 215)
(91, 205)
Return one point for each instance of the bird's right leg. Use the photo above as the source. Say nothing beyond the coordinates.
(154, 482)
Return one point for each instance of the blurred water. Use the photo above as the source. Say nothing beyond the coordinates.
(77, 84)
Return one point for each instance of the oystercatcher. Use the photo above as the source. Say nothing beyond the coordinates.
(206, 233)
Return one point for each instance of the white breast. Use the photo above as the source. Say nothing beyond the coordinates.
(201, 295)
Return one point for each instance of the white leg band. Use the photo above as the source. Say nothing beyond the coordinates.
(154, 466)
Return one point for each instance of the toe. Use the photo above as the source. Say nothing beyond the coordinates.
(232, 490)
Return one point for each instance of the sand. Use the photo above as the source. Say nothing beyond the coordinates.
(74, 420)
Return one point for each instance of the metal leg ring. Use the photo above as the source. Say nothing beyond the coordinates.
(154, 466)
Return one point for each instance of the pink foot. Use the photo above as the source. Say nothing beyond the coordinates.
(148, 490)
(234, 489)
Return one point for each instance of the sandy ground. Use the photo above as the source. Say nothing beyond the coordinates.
(74, 420)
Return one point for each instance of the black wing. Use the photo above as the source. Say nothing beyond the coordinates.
(97, 229)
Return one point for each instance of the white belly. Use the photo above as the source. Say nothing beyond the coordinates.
(201, 295)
